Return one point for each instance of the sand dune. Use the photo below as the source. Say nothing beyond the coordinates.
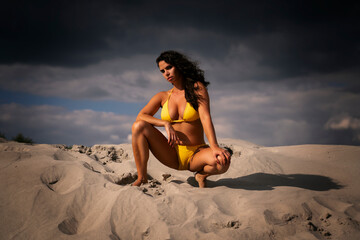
(292, 192)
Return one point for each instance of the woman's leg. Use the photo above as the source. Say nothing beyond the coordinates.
(146, 137)
(205, 165)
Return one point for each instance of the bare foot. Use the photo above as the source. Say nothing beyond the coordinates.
(201, 179)
(138, 182)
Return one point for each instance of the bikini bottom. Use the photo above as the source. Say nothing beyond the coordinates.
(185, 154)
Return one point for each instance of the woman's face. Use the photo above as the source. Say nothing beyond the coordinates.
(169, 72)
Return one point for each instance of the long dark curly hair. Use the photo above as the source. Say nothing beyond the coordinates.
(190, 72)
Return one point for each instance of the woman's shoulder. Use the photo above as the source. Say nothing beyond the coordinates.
(162, 95)
(200, 88)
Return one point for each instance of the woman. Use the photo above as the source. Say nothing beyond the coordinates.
(185, 116)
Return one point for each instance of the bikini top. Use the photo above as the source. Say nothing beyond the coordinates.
(190, 114)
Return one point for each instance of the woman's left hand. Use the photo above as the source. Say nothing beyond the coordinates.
(222, 156)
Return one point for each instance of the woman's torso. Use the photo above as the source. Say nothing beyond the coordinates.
(189, 132)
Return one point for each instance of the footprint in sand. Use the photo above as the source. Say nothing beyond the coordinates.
(69, 226)
(80, 214)
(230, 224)
(307, 212)
(152, 188)
(127, 178)
(317, 228)
(272, 220)
(166, 176)
(62, 179)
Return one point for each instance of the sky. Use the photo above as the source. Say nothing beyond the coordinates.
(280, 72)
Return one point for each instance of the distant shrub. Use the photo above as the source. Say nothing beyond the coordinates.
(21, 139)
(2, 135)
(68, 147)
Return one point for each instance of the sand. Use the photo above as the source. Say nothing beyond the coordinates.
(291, 192)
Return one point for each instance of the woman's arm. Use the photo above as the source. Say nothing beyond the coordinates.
(147, 114)
(206, 121)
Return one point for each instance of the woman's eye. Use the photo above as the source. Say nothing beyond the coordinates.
(169, 67)
(162, 71)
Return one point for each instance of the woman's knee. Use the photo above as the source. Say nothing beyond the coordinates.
(139, 126)
(222, 168)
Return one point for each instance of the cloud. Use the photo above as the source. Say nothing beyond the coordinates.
(295, 38)
(263, 118)
(50, 124)
(123, 79)
(343, 122)
(282, 115)
(277, 115)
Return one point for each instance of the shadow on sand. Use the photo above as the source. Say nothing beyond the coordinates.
(266, 181)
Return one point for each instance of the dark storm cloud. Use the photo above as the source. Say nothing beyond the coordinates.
(294, 37)
(55, 32)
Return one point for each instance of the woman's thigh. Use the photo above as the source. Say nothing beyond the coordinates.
(158, 144)
(202, 158)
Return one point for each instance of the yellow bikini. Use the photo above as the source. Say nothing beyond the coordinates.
(190, 114)
(184, 152)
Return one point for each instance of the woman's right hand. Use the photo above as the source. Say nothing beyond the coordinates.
(173, 138)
